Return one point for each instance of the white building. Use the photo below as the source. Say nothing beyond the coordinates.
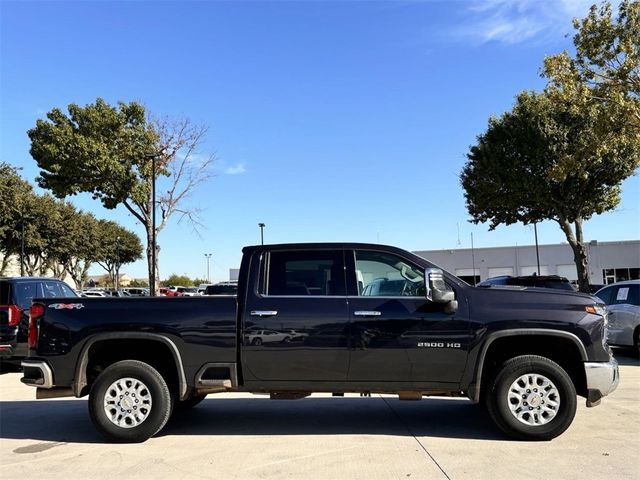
(608, 261)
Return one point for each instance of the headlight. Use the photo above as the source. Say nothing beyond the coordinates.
(597, 310)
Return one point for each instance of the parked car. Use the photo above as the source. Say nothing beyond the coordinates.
(225, 288)
(538, 281)
(117, 293)
(623, 308)
(171, 290)
(186, 292)
(137, 292)
(16, 295)
(94, 293)
(526, 353)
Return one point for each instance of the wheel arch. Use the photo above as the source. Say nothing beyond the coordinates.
(508, 343)
(81, 378)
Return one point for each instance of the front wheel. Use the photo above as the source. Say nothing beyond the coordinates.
(129, 402)
(531, 398)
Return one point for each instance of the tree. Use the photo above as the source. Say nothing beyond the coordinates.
(606, 66)
(537, 163)
(107, 151)
(175, 279)
(118, 246)
(16, 198)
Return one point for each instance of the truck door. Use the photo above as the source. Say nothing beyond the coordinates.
(296, 322)
(397, 334)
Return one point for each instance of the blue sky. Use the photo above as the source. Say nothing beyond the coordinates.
(331, 121)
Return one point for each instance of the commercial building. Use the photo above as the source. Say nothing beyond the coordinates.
(609, 262)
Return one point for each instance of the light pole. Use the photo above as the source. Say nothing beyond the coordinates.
(152, 278)
(261, 225)
(208, 257)
(22, 247)
(117, 279)
(535, 230)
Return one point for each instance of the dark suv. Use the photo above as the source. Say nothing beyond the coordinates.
(539, 281)
(16, 295)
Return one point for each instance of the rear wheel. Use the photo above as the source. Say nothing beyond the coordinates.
(129, 402)
(531, 398)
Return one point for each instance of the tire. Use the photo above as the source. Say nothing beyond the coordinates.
(147, 402)
(531, 398)
(257, 341)
(189, 403)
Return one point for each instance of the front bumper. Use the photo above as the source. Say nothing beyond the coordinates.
(602, 379)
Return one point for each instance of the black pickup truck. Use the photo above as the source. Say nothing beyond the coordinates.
(327, 318)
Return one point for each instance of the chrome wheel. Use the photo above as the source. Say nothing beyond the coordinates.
(127, 402)
(533, 399)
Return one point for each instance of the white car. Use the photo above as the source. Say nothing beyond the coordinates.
(623, 307)
(258, 337)
(94, 293)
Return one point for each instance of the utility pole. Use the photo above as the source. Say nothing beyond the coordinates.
(535, 230)
(473, 260)
(117, 279)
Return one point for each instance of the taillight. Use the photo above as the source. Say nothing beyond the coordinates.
(15, 313)
(36, 311)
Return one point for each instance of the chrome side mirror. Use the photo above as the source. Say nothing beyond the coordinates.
(437, 290)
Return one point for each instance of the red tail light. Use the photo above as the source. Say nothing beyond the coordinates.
(35, 312)
(15, 313)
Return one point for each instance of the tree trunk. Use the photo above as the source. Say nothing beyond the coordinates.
(579, 253)
(152, 272)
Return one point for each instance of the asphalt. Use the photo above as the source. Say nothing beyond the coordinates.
(241, 436)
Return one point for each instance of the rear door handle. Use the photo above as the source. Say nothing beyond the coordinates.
(367, 313)
(264, 313)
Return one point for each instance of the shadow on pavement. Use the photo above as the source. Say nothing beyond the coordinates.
(68, 420)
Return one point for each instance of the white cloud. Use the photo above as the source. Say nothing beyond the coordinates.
(516, 21)
(236, 169)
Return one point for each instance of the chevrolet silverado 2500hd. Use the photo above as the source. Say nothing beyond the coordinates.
(327, 318)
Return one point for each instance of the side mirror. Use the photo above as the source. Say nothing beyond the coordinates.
(437, 290)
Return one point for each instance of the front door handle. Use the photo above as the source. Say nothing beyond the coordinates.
(367, 313)
(264, 313)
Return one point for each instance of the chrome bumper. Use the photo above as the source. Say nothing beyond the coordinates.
(37, 373)
(602, 379)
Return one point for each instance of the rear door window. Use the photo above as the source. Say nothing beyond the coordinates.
(301, 273)
(25, 292)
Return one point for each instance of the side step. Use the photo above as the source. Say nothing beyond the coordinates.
(216, 377)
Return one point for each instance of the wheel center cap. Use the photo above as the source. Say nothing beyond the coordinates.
(126, 403)
(534, 400)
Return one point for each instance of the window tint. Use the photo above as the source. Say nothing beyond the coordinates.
(24, 293)
(627, 295)
(385, 275)
(66, 291)
(52, 290)
(605, 294)
(305, 273)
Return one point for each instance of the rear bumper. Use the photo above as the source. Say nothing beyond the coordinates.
(602, 379)
(37, 373)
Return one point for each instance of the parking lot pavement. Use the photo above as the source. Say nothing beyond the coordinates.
(237, 436)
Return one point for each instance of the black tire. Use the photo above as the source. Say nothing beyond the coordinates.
(531, 426)
(156, 390)
(189, 403)
(257, 341)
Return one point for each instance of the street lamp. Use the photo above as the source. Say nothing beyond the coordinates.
(117, 280)
(152, 279)
(261, 225)
(208, 257)
(535, 230)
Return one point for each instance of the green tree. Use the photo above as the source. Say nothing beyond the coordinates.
(118, 246)
(537, 163)
(16, 199)
(175, 279)
(107, 151)
(605, 68)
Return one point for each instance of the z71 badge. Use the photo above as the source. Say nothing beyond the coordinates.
(66, 306)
